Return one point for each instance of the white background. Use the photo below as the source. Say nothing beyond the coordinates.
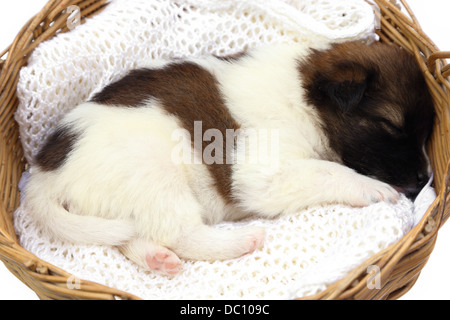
(434, 281)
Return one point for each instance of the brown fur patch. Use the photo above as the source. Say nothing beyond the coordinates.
(346, 70)
(187, 91)
(56, 149)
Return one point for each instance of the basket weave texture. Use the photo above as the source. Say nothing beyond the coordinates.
(400, 264)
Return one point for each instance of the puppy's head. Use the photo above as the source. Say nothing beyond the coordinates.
(375, 109)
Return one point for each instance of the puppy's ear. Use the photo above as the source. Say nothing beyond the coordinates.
(345, 84)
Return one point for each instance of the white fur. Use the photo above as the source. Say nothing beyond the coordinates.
(121, 187)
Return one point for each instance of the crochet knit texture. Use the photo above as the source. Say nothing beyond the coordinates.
(303, 253)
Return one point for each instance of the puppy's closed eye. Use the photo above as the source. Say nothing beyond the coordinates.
(391, 127)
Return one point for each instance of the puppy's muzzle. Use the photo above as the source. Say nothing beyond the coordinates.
(411, 191)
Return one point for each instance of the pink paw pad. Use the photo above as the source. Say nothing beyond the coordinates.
(164, 261)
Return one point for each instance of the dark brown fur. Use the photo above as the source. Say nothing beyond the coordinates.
(376, 109)
(185, 90)
(55, 150)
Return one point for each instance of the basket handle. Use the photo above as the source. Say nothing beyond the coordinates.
(431, 62)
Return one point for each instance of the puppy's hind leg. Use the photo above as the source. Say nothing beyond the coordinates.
(203, 242)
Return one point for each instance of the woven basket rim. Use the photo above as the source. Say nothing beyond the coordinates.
(400, 264)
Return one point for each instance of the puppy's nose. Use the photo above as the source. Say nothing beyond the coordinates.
(422, 179)
(412, 191)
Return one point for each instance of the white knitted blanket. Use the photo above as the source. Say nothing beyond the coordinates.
(303, 253)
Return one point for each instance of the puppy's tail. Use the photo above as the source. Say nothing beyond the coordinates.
(53, 217)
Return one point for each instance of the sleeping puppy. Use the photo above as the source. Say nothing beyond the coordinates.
(156, 158)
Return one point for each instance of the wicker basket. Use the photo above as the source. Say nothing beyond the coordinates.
(400, 264)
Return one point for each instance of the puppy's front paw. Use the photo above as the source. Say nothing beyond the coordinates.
(368, 191)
